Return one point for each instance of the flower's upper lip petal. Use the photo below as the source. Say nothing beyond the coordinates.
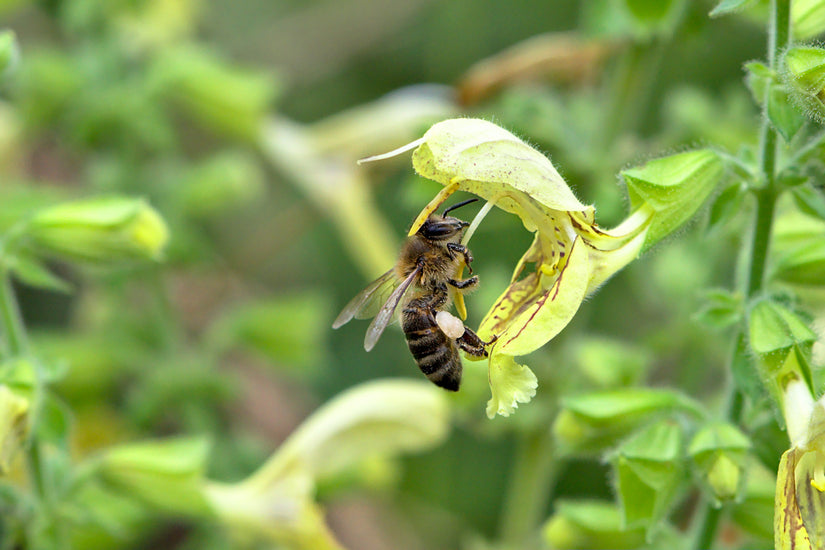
(487, 160)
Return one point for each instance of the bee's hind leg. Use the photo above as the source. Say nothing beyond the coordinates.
(472, 344)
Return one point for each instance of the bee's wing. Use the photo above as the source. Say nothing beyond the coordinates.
(365, 303)
(385, 314)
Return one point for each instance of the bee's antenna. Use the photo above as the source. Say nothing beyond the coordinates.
(458, 205)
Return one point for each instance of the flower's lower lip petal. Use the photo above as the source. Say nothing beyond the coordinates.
(554, 308)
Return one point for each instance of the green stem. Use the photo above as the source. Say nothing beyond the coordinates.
(12, 321)
(532, 477)
(707, 518)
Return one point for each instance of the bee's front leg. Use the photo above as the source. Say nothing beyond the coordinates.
(464, 251)
(465, 283)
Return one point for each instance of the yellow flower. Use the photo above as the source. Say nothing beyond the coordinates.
(570, 256)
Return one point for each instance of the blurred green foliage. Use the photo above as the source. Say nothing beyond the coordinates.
(239, 125)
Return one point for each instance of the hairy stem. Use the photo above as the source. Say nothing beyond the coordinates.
(707, 518)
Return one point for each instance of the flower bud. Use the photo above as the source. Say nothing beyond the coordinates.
(648, 473)
(103, 231)
(673, 188)
(166, 475)
(805, 77)
(592, 421)
(718, 452)
(224, 98)
(14, 425)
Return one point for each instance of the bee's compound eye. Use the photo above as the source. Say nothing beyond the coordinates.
(449, 324)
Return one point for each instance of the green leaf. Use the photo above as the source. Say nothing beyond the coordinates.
(720, 309)
(648, 473)
(726, 7)
(33, 273)
(726, 206)
(783, 114)
(54, 421)
(773, 327)
(809, 200)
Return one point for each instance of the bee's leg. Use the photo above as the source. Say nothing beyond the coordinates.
(436, 299)
(472, 344)
(464, 283)
(464, 251)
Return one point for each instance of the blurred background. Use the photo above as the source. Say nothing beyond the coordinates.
(241, 121)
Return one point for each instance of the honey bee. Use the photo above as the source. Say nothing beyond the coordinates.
(422, 280)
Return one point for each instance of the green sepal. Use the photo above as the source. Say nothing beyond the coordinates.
(718, 452)
(578, 524)
(783, 114)
(773, 327)
(726, 205)
(720, 308)
(785, 365)
(648, 471)
(166, 475)
(32, 272)
(803, 265)
(759, 77)
(590, 422)
(804, 74)
(674, 187)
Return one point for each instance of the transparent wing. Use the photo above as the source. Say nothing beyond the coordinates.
(367, 302)
(384, 316)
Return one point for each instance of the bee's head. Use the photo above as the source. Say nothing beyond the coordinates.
(443, 227)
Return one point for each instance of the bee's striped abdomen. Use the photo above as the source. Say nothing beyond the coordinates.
(436, 354)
